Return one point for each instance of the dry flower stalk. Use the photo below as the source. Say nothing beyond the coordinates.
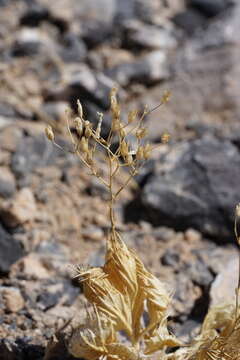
(123, 289)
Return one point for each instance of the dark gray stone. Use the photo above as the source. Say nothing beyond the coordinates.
(140, 35)
(189, 20)
(7, 188)
(34, 15)
(73, 49)
(148, 70)
(31, 153)
(210, 8)
(87, 86)
(10, 251)
(196, 186)
(170, 257)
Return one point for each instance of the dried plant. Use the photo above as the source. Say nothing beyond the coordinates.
(127, 319)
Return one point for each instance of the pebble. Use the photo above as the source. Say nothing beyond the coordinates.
(19, 210)
(13, 299)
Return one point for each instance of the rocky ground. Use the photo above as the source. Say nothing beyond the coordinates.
(179, 217)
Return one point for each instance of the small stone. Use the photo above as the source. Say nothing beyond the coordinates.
(149, 36)
(170, 257)
(189, 20)
(28, 43)
(13, 299)
(7, 182)
(93, 233)
(34, 15)
(224, 286)
(73, 49)
(19, 210)
(148, 70)
(10, 251)
(32, 267)
(209, 8)
(192, 235)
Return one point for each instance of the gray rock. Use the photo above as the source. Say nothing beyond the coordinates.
(148, 70)
(7, 183)
(209, 8)
(28, 42)
(224, 286)
(34, 15)
(10, 251)
(197, 185)
(31, 153)
(189, 20)
(84, 84)
(147, 36)
(73, 49)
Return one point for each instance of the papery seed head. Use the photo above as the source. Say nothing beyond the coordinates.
(88, 129)
(139, 153)
(166, 96)
(132, 116)
(84, 144)
(129, 159)
(80, 109)
(165, 137)
(124, 148)
(49, 133)
(237, 212)
(147, 151)
(122, 131)
(78, 125)
(115, 124)
(99, 126)
(141, 133)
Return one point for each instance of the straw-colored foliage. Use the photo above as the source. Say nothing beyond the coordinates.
(127, 316)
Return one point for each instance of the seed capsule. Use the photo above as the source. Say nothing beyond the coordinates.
(124, 148)
(141, 133)
(84, 144)
(49, 133)
(78, 126)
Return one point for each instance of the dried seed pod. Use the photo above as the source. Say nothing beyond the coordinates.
(87, 129)
(129, 159)
(80, 109)
(141, 133)
(147, 151)
(124, 149)
(115, 108)
(84, 144)
(49, 133)
(165, 138)
(89, 158)
(122, 131)
(166, 97)
(115, 124)
(99, 126)
(139, 153)
(78, 126)
(132, 116)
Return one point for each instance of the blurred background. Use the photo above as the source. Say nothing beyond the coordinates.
(180, 215)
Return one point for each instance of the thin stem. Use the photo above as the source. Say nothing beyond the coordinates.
(111, 203)
(126, 183)
(238, 285)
